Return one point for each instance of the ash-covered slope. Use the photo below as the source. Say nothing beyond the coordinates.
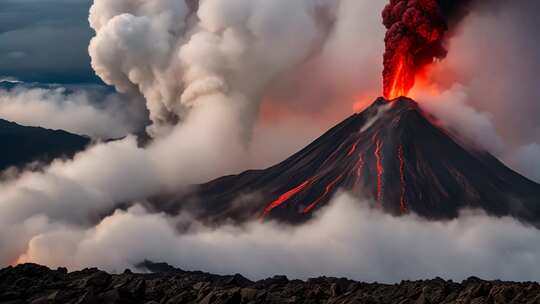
(391, 155)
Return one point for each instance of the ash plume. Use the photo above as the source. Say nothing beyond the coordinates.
(417, 34)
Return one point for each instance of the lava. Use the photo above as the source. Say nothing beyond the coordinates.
(327, 190)
(400, 82)
(285, 197)
(380, 170)
(353, 148)
(402, 199)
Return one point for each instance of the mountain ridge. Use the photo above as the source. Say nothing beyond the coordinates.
(22, 145)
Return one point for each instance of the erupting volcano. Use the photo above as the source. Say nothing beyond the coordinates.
(390, 155)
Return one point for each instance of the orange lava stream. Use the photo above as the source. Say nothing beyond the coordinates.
(285, 197)
(380, 170)
(398, 87)
(402, 200)
(326, 191)
(353, 148)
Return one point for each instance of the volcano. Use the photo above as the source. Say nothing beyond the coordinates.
(392, 155)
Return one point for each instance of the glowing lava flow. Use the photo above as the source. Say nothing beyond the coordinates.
(353, 148)
(285, 197)
(402, 200)
(401, 82)
(327, 190)
(380, 170)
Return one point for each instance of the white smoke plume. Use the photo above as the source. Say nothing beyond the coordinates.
(77, 112)
(491, 72)
(175, 57)
(347, 239)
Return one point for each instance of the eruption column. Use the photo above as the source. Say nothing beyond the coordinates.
(414, 39)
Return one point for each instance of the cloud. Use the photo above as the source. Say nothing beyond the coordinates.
(46, 40)
(81, 111)
(453, 108)
(347, 239)
(526, 160)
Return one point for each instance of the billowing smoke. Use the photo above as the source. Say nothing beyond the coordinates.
(176, 57)
(347, 239)
(201, 76)
(493, 67)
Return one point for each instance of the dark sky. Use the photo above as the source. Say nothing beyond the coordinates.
(45, 41)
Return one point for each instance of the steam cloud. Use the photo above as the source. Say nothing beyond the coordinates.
(160, 50)
(348, 239)
(203, 73)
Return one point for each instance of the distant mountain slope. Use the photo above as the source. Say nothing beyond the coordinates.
(22, 145)
(391, 154)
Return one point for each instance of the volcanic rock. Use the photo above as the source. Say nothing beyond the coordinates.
(30, 283)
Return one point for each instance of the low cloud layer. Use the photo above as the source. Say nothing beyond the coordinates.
(99, 115)
(347, 239)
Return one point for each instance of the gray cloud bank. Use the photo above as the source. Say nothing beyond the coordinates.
(81, 110)
(46, 40)
(347, 239)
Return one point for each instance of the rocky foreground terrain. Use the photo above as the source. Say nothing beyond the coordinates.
(30, 283)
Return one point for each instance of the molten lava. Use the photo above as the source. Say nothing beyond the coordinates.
(353, 148)
(401, 80)
(285, 197)
(327, 190)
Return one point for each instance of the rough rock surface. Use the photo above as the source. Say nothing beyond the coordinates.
(30, 283)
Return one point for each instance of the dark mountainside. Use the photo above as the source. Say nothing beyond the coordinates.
(22, 145)
(30, 283)
(392, 154)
